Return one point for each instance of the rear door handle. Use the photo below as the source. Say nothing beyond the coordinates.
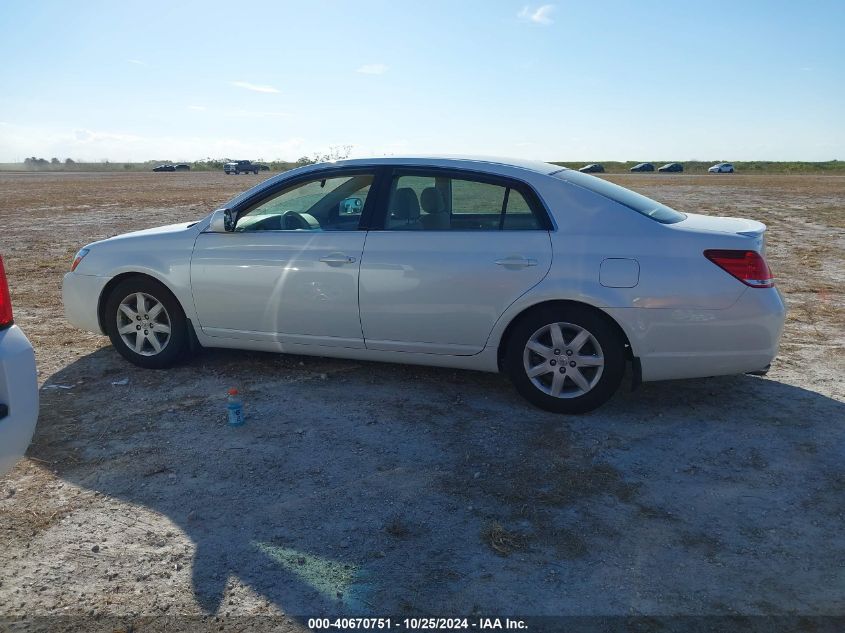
(516, 262)
(337, 259)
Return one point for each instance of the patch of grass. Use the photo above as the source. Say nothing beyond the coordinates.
(500, 540)
(397, 527)
(710, 546)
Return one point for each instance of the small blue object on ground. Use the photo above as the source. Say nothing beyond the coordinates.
(235, 408)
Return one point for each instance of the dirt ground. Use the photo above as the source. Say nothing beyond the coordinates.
(364, 488)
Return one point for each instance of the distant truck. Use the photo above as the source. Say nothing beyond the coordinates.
(242, 167)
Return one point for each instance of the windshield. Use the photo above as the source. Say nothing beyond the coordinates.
(639, 203)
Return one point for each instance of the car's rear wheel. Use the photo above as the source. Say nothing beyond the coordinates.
(145, 323)
(566, 360)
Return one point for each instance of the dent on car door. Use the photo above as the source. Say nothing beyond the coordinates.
(455, 250)
(289, 270)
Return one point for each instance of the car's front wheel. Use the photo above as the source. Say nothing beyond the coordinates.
(145, 323)
(566, 360)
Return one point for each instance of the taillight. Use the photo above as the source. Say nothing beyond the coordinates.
(5, 300)
(747, 266)
(82, 253)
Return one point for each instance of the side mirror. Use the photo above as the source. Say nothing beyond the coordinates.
(351, 206)
(222, 221)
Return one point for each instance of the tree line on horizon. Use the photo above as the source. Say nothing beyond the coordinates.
(341, 152)
(205, 164)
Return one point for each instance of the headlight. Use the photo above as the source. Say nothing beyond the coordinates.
(82, 253)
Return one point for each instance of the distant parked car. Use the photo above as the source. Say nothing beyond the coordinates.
(672, 167)
(721, 168)
(18, 384)
(643, 167)
(165, 168)
(182, 167)
(457, 262)
(241, 167)
(264, 167)
(592, 168)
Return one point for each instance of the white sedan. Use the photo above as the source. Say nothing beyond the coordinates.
(18, 384)
(721, 168)
(555, 277)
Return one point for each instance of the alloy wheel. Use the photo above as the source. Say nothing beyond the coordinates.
(143, 324)
(563, 360)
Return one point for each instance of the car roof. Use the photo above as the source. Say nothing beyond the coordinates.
(480, 163)
(487, 164)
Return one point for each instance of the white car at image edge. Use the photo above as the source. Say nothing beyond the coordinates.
(18, 384)
(558, 278)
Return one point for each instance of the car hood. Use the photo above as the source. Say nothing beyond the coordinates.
(716, 224)
(159, 230)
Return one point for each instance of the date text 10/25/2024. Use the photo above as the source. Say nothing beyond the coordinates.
(417, 624)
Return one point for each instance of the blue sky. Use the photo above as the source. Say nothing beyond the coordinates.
(641, 80)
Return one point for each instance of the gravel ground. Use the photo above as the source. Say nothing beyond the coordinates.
(363, 488)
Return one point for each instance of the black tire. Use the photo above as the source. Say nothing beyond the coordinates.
(177, 344)
(595, 323)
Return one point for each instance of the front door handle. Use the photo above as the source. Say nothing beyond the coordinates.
(516, 262)
(337, 259)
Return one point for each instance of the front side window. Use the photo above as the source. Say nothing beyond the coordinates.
(323, 204)
(435, 202)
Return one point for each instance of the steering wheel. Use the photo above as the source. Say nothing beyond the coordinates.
(293, 220)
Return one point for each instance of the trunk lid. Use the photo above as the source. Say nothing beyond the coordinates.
(716, 224)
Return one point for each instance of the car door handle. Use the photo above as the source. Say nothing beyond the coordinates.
(516, 262)
(337, 258)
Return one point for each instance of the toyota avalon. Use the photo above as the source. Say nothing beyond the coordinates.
(557, 278)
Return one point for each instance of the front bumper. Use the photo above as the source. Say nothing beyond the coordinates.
(695, 343)
(19, 393)
(81, 297)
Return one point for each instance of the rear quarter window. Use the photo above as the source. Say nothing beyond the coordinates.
(637, 202)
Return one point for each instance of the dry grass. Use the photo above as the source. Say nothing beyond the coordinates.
(501, 540)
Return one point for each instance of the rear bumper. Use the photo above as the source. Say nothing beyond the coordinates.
(695, 343)
(81, 296)
(19, 392)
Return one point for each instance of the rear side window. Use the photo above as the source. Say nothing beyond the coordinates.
(421, 202)
(635, 201)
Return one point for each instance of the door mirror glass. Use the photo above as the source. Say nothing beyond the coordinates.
(222, 221)
(350, 206)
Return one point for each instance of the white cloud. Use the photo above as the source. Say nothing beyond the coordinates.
(89, 136)
(372, 69)
(540, 15)
(258, 113)
(253, 114)
(137, 62)
(255, 87)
